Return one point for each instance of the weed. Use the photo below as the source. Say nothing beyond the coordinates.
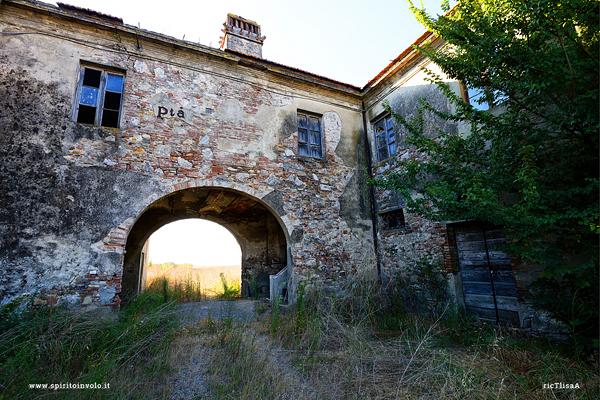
(184, 283)
(352, 344)
(253, 283)
(275, 315)
(260, 308)
(50, 346)
(231, 290)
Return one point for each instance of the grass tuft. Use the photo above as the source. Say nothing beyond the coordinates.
(51, 346)
(184, 283)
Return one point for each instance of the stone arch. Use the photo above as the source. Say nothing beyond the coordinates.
(259, 224)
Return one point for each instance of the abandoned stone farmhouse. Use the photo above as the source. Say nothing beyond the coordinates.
(109, 132)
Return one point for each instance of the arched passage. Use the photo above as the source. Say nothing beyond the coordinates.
(255, 227)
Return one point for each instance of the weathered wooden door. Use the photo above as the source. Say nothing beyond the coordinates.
(487, 278)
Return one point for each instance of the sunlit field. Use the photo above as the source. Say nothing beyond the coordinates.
(185, 282)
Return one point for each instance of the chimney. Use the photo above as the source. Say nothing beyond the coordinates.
(242, 35)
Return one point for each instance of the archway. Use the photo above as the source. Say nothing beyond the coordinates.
(259, 233)
(196, 256)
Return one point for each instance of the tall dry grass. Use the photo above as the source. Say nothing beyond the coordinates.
(127, 351)
(356, 343)
(353, 343)
(184, 282)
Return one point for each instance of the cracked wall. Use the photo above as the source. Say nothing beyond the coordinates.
(73, 191)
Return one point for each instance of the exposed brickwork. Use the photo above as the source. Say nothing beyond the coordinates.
(90, 290)
(195, 118)
(188, 120)
(99, 289)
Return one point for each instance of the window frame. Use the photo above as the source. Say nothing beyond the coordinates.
(102, 90)
(383, 215)
(470, 94)
(309, 143)
(390, 140)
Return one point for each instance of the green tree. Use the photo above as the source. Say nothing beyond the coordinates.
(530, 163)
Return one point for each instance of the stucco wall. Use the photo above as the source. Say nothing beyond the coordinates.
(72, 191)
(401, 249)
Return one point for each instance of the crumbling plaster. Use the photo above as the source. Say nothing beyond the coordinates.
(194, 117)
(400, 250)
(73, 191)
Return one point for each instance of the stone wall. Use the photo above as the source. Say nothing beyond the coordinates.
(403, 84)
(400, 249)
(203, 133)
(72, 192)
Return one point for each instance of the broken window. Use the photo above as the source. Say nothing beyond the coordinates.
(392, 219)
(475, 97)
(99, 97)
(385, 138)
(309, 136)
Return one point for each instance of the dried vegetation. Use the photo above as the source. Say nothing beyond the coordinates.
(356, 343)
(184, 282)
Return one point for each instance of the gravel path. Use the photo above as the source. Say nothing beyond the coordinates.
(238, 310)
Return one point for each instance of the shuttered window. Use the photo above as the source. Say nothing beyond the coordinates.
(309, 136)
(385, 138)
(99, 97)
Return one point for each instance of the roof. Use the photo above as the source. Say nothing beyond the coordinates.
(88, 16)
(400, 57)
(89, 12)
(276, 64)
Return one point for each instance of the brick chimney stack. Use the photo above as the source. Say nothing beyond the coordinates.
(242, 35)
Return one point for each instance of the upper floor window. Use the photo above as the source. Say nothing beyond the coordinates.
(474, 96)
(310, 143)
(99, 97)
(385, 139)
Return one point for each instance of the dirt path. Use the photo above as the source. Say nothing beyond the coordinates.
(237, 310)
(191, 353)
(189, 379)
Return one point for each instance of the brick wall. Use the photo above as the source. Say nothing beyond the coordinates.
(230, 127)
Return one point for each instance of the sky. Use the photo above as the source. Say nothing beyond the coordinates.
(347, 40)
(350, 41)
(194, 241)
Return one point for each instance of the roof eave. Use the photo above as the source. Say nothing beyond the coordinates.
(228, 55)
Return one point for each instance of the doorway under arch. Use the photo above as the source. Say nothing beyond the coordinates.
(254, 225)
(194, 252)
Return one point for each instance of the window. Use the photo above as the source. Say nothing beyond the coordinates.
(99, 97)
(385, 139)
(392, 219)
(309, 136)
(473, 96)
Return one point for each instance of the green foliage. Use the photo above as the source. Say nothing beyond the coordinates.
(230, 290)
(52, 346)
(531, 163)
(253, 283)
(275, 314)
(301, 308)
(421, 288)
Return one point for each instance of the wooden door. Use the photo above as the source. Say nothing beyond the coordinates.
(487, 278)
